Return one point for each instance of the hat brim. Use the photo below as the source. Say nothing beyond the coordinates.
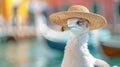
(95, 20)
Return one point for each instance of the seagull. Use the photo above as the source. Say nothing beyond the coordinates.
(76, 50)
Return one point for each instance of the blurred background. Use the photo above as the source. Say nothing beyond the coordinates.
(23, 45)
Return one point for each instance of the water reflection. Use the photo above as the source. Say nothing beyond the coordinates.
(29, 53)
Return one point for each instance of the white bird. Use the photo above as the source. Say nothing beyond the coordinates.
(76, 51)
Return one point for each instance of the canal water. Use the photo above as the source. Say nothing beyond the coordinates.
(38, 52)
(33, 52)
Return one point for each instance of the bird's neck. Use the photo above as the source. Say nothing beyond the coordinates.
(76, 51)
(79, 43)
(79, 40)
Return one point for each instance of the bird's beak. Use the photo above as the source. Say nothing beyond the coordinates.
(63, 28)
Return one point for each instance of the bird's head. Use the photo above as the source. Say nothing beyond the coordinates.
(76, 25)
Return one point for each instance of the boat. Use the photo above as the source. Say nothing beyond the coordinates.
(111, 47)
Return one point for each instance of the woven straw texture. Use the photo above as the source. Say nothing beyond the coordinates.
(77, 11)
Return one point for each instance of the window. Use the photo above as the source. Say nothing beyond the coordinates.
(118, 9)
(95, 7)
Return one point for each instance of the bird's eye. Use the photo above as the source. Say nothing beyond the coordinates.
(80, 22)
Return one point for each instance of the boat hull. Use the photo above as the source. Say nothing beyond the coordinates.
(110, 51)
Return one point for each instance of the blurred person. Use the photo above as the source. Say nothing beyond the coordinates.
(14, 22)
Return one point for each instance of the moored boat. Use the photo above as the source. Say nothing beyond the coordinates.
(112, 46)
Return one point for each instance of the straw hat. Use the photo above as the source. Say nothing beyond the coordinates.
(77, 11)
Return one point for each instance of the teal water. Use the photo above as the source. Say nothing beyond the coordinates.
(35, 52)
